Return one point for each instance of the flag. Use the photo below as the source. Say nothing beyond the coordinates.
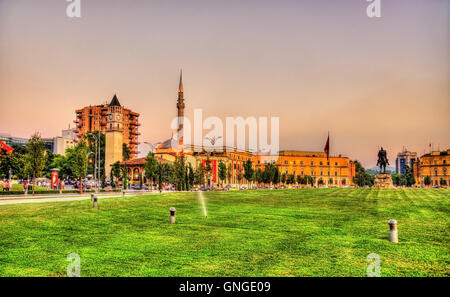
(7, 148)
(326, 149)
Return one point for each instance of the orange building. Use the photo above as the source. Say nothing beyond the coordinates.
(436, 165)
(94, 118)
(333, 171)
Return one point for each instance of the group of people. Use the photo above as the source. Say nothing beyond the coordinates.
(7, 185)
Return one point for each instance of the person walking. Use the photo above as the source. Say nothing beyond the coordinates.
(25, 186)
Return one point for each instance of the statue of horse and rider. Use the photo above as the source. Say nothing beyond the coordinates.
(382, 160)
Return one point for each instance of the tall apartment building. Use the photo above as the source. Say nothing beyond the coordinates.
(404, 158)
(95, 118)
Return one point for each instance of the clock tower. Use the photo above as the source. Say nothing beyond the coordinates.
(113, 135)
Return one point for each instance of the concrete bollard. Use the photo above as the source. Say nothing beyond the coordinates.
(94, 201)
(172, 215)
(393, 232)
(92, 197)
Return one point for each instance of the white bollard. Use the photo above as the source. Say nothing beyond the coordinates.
(393, 232)
(172, 215)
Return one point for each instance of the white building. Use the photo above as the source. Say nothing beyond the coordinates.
(62, 143)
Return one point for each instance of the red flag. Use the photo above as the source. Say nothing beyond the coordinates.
(7, 148)
(327, 146)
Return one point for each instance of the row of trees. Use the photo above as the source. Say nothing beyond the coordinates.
(406, 179)
(26, 162)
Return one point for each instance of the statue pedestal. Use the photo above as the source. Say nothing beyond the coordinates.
(383, 180)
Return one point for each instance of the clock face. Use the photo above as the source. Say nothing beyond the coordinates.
(118, 117)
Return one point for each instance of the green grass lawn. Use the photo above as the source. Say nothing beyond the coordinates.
(304, 232)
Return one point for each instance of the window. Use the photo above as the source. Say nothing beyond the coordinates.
(328, 163)
(301, 162)
(445, 171)
(335, 163)
(312, 163)
(295, 162)
(285, 162)
(321, 173)
(435, 172)
(328, 173)
(335, 173)
(321, 163)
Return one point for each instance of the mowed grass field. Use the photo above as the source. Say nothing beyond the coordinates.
(304, 232)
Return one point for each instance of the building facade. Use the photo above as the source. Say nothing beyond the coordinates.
(436, 165)
(66, 140)
(95, 118)
(332, 171)
(404, 158)
(21, 141)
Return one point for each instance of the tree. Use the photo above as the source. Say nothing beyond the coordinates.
(239, 174)
(126, 153)
(301, 180)
(427, 180)
(309, 180)
(115, 173)
(442, 182)
(208, 170)
(164, 174)
(222, 172)
(179, 173)
(199, 175)
(276, 175)
(258, 176)
(77, 158)
(283, 177)
(96, 142)
(125, 176)
(270, 174)
(248, 171)
(362, 178)
(290, 179)
(229, 173)
(409, 176)
(140, 180)
(151, 167)
(35, 157)
(191, 176)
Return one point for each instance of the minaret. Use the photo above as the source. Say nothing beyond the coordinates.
(180, 103)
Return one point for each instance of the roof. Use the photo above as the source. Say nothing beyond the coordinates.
(114, 101)
(166, 144)
(140, 161)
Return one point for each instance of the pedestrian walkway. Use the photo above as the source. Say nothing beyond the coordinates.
(20, 199)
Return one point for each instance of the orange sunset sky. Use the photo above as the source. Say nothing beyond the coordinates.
(318, 65)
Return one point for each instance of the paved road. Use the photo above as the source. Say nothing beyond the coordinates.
(64, 197)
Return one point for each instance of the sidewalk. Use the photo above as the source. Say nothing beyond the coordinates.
(19, 199)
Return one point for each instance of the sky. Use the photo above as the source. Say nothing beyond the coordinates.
(320, 66)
